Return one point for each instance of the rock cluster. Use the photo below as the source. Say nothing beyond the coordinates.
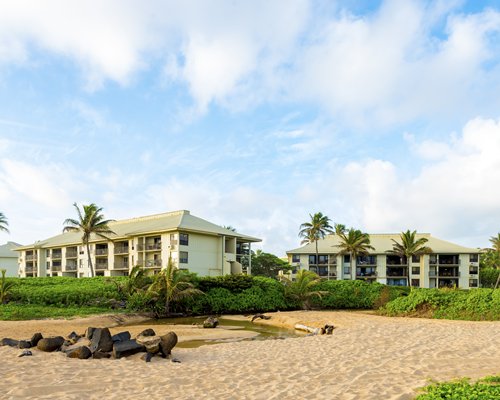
(99, 343)
(210, 322)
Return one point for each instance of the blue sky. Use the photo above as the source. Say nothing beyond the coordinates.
(383, 115)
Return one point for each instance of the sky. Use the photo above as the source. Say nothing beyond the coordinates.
(382, 115)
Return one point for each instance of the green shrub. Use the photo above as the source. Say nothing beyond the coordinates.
(346, 294)
(64, 291)
(484, 389)
(473, 304)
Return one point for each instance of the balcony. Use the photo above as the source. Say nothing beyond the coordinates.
(153, 264)
(123, 264)
(71, 266)
(30, 257)
(396, 272)
(101, 251)
(29, 270)
(100, 266)
(56, 255)
(149, 247)
(121, 250)
(73, 253)
(56, 268)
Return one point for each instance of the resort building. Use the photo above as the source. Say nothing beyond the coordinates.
(190, 243)
(449, 265)
(8, 258)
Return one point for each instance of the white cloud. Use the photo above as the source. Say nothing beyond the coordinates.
(455, 195)
(391, 67)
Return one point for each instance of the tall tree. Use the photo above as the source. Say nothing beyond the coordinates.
(3, 223)
(316, 229)
(355, 243)
(408, 247)
(267, 264)
(495, 241)
(90, 221)
(172, 285)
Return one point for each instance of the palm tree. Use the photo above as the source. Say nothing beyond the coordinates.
(3, 223)
(410, 246)
(5, 287)
(314, 230)
(302, 289)
(172, 285)
(90, 221)
(353, 242)
(495, 241)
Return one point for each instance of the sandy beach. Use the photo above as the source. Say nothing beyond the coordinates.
(367, 357)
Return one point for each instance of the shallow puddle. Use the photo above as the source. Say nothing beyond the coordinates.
(264, 331)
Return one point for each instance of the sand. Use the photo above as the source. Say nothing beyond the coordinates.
(367, 357)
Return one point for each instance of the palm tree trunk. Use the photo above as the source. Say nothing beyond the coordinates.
(90, 260)
(498, 281)
(408, 276)
(317, 260)
(353, 272)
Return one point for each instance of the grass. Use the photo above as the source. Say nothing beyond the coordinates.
(484, 389)
(17, 312)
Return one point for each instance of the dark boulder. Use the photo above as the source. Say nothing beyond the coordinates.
(127, 348)
(89, 332)
(168, 342)
(121, 337)
(147, 332)
(329, 329)
(101, 340)
(50, 344)
(35, 339)
(24, 344)
(74, 337)
(9, 342)
(210, 322)
(82, 352)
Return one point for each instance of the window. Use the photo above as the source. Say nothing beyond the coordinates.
(473, 269)
(347, 258)
(433, 259)
(48, 264)
(415, 270)
(184, 239)
(295, 257)
(473, 282)
(415, 259)
(47, 253)
(474, 257)
(347, 270)
(415, 282)
(183, 257)
(312, 259)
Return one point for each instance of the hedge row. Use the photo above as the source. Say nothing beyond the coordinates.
(476, 304)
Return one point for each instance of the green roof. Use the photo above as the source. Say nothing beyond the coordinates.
(158, 223)
(383, 242)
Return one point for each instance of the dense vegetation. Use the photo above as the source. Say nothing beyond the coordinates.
(484, 389)
(476, 304)
(231, 294)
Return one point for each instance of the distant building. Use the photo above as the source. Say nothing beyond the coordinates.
(190, 242)
(8, 258)
(449, 265)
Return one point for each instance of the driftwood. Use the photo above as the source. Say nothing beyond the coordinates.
(327, 329)
(261, 316)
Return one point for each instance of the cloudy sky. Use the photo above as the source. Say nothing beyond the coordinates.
(383, 115)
